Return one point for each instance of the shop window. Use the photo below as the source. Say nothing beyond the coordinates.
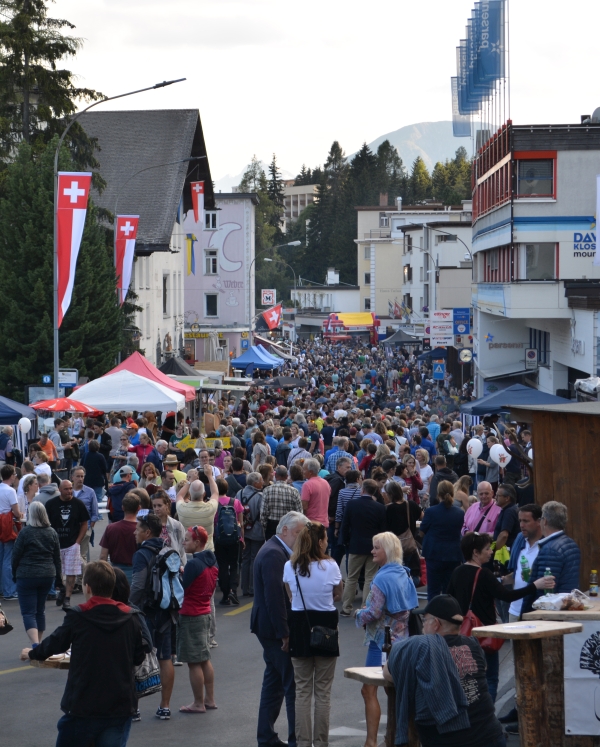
(540, 261)
(535, 178)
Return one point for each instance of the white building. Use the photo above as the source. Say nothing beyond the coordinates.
(399, 250)
(537, 292)
(295, 200)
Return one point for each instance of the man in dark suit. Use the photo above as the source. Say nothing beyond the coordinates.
(269, 623)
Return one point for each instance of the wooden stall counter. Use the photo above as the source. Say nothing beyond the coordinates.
(541, 711)
(574, 715)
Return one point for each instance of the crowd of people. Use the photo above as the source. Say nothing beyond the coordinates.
(356, 482)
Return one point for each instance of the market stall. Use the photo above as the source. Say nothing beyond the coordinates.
(124, 390)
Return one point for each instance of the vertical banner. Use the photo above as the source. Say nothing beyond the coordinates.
(198, 201)
(491, 52)
(190, 240)
(73, 192)
(461, 123)
(125, 236)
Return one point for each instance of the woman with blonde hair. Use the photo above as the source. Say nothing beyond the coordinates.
(314, 583)
(462, 490)
(149, 478)
(426, 473)
(392, 597)
(261, 450)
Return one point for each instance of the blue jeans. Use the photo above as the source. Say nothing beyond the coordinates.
(278, 682)
(32, 600)
(9, 588)
(80, 732)
(493, 672)
(438, 576)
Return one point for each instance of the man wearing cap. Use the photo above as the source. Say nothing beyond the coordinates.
(117, 491)
(465, 717)
(132, 434)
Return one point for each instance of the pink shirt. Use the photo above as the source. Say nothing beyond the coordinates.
(237, 506)
(474, 514)
(316, 492)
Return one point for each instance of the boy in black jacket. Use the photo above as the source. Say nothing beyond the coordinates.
(106, 644)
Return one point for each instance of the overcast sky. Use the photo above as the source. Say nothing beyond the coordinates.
(291, 77)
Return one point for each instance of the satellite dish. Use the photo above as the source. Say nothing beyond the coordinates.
(596, 116)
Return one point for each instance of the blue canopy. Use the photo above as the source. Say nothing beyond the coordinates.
(11, 412)
(517, 394)
(435, 353)
(256, 358)
(270, 356)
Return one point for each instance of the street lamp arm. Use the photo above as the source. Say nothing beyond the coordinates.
(102, 101)
(439, 230)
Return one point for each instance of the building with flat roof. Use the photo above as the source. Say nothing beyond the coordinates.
(295, 200)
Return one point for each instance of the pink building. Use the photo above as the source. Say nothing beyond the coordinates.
(218, 276)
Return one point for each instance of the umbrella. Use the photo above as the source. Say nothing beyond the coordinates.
(286, 382)
(64, 404)
(321, 401)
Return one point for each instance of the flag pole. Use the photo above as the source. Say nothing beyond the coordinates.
(55, 248)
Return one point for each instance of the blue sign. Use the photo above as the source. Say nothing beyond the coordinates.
(46, 379)
(244, 344)
(439, 370)
(461, 319)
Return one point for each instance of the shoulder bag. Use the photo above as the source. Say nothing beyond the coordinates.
(489, 645)
(147, 676)
(321, 638)
(407, 540)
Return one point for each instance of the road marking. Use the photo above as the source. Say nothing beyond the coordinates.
(18, 669)
(243, 608)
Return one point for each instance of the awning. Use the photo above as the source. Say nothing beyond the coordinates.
(505, 371)
(278, 349)
(504, 400)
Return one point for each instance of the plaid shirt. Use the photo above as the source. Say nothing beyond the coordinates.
(278, 499)
(334, 458)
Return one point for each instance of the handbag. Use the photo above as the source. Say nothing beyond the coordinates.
(5, 626)
(470, 621)
(10, 526)
(406, 538)
(147, 676)
(321, 638)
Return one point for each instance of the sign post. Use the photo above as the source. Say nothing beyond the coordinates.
(268, 296)
(439, 370)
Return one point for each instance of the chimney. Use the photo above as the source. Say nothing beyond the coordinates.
(399, 204)
(383, 199)
(333, 276)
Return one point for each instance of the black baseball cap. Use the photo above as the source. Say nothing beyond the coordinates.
(445, 607)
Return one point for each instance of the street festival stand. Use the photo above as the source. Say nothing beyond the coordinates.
(540, 715)
(571, 670)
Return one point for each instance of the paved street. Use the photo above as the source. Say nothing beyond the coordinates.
(238, 670)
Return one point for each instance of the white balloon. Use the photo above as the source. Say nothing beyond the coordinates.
(474, 447)
(24, 425)
(499, 455)
(530, 454)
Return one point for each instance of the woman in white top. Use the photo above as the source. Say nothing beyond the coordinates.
(261, 450)
(313, 582)
(426, 474)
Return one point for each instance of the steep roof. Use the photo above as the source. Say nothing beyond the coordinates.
(130, 141)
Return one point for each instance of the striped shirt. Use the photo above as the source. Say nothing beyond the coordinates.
(344, 497)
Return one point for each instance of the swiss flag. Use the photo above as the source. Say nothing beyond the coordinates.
(73, 191)
(272, 316)
(125, 236)
(198, 200)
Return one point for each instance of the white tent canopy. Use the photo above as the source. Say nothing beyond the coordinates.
(124, 390)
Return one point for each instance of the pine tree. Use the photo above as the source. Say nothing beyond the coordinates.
(419, 184)
(35, 93)
(390, 172)
(93, 328)
(451, 181)
(276, 196)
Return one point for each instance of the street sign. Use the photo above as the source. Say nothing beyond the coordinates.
(68, 377)
(46, 379)
(531, 358)
(244, 344)
(461, 318)
(439, 370)
(268, 296)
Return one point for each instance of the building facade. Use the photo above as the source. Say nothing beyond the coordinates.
(536, 290)
(219, 283)
(295, 200)
(399, 252)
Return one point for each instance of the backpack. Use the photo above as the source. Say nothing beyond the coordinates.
(163, 587)
(249, 520)
(227, 530)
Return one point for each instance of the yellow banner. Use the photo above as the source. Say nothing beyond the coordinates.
(210, 442)
(186, 443)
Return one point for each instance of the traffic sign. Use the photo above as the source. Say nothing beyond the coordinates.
(46, 379)
(439, 370)
(461, 318)
(244, 344)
